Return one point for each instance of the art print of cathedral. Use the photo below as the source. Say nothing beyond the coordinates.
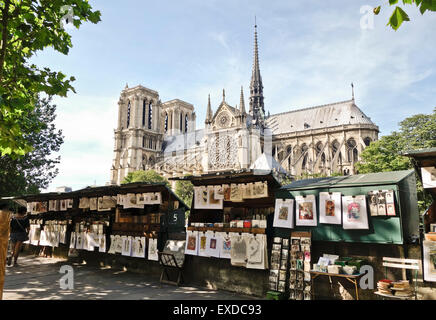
(162, 136)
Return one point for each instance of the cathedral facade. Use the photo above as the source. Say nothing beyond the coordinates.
(157, 135)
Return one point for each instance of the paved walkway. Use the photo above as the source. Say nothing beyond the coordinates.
(38, 278)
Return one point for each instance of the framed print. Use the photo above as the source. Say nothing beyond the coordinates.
(93, 204)
(143, 198)
(260, 189)
(354, 214)
(155, 198)
(256, 251)
(200, 197)
(212, 203)
(120, 199)
(213, 244)
(428, 177)
(73, 240)
(381, 209)
(202, 244)
(226, 192)
(373, 203)
(53, 205)
(429, 265)
(131, 202)
(102, 243)
(138, 247)
(219, 192)
(118, 244)
(330, 205)
(191, 243)
(226, 245)
(247, 191)
(239, 250)
(236, 191)
(306, 210)
(152, 249)
(127, 246)
(390, 203)
(63, 205)
(284, 213)
(106, 203)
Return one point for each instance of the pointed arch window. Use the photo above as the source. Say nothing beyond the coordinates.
(367, 141)
(181, 122)
(335, 149)
(186, 123)
(144, 103)
(150, 114)
(304, 149)
(166, 122)
(128, 114)
(352, 152)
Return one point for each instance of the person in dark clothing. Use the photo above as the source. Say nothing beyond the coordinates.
(19, 233)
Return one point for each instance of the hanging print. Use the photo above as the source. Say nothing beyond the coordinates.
(354, 212)
(191, 243)
(284, 213)
(330, 207)
(428, 177)
(226, 245)
(306, 210)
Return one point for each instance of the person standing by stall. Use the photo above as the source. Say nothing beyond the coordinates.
(19, 233)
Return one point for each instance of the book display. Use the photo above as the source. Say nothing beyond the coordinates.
(230, 216)
(128, 220)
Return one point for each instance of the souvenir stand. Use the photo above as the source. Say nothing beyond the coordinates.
(348, 215)
(229, 229)
(131, 220)
(424, 162)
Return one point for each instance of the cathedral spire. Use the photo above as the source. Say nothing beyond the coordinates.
(241, 102)
(256, 88)
(209, 113)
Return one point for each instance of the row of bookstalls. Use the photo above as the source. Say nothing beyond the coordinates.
(133, 220)
(247, 233)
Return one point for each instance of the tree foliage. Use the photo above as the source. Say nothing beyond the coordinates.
(399, 15)
(26, 27)
(149, 176)
(36, 169)
(185, 191)
(416, 132)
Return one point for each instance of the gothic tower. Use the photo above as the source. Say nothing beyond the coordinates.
(257, 110)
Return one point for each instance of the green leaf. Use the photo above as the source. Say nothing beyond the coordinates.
(392, 2)
(377, 10)
(397, 18)
(407, 1)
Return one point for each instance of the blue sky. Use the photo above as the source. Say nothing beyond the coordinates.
(310, 52)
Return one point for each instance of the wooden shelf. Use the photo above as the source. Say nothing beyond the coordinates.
(222, 229)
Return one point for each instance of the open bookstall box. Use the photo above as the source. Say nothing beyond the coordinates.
(231, 217)
(341, 209)
(379, 208)
(131, 220)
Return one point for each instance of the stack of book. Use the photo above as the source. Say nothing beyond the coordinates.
(384, 286)
(402, 288)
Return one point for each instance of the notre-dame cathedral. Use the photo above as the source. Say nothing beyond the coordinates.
(162, 136)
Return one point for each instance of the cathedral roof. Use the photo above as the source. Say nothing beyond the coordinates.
(318, 117)
(267, 163)
(183, 141)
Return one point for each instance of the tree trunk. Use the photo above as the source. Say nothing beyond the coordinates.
(4, 238)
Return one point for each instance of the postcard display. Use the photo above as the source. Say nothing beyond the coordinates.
(240, 235)
(290, 266)
(135, 234)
